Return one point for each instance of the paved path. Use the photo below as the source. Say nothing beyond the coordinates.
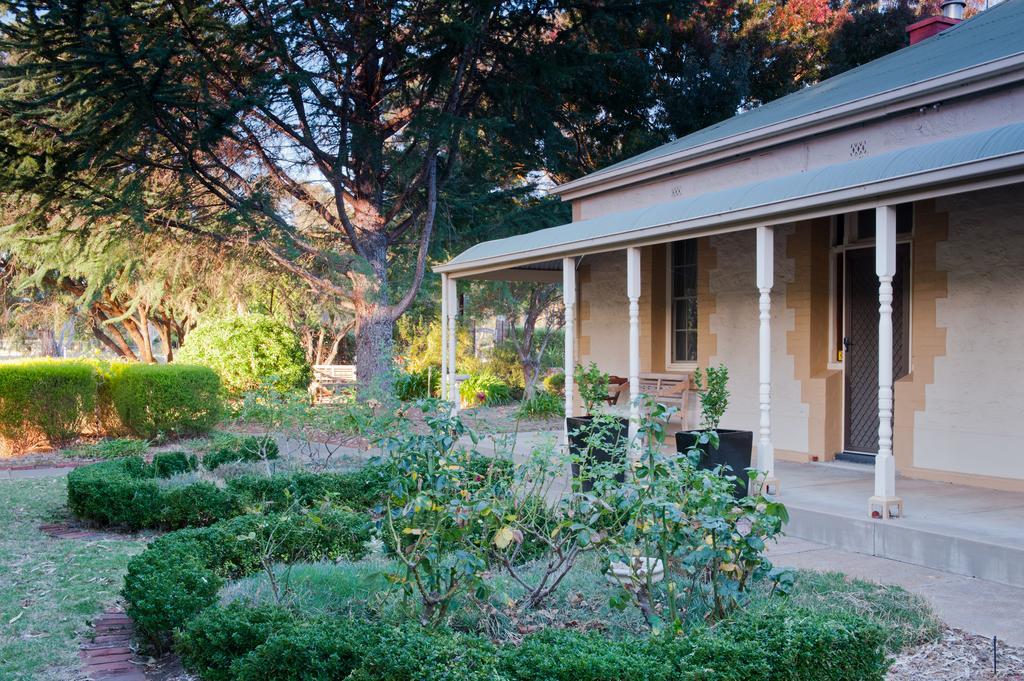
(976, 605)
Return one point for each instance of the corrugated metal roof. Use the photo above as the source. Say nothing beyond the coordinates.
(978, 146)
(991, 35)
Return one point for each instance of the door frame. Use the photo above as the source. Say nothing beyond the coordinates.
(837, 290)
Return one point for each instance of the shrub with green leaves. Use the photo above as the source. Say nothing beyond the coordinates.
(357, 490)
(218, 637)
(176, 400)
(413, 385)
(315, 649)
(484, 389)
(123, 492)
(168, 464)
(110, 449)
(229, 448)
(248, 351)
(117, 492)
(542, 405)
(555, 383)
(53, 400)
(179, 574)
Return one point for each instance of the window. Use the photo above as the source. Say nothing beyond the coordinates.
(684, 301)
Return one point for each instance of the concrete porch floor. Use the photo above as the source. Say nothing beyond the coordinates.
(964, 530)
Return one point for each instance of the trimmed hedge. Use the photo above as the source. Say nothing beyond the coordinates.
(217, 637)
(124, 492)
(228, 448)
(773, 642)
(362, 489)
(166, 399)
(248, 351)
(52, 399)
(179, 574)
(168, 464)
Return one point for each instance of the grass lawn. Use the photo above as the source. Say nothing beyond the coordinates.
(50, 588)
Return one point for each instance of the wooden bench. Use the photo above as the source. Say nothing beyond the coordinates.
(672, 390)
(328, 378)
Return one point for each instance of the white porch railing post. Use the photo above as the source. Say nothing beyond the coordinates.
(765, 279)
(633, 293)
(453, 311)
(885, 504)
(569, 299)
(444, 337)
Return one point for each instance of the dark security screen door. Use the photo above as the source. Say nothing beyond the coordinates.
(860, 356)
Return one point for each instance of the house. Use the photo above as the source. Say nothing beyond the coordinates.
(853, 252)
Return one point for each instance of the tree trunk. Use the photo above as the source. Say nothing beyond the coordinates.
(531, 372)
(47, 343)
(374, 351)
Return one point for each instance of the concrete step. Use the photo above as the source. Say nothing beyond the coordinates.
(949, 551)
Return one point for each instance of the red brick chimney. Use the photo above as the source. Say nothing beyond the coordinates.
(952, 13)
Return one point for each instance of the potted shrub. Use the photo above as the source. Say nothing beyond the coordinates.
(717, 446)
(597, 438)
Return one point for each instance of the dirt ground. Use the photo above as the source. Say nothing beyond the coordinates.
(959, 656)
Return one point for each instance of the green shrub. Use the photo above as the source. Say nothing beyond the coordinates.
(118, 492)
(555, 383)
(165, 588)
(111, 449)
(195, 505)
(484, 389)
(123, 492)
(418, 346)
(358, 490)
(412, 653)
(168, 464)
(52, 399)
(248, 351)
(542, 405)
(560, 655)
(107, 420)
(227, 448)
(412, 385)
(166, 399)
(179, 574)
(212, 641)
(321, 650)
(504, 363)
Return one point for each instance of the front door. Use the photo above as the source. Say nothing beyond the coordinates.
(860, 352)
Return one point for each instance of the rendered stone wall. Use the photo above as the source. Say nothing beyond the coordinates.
(973, 421)
(735, 325)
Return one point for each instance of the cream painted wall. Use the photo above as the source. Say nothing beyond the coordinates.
(735, 324)
(973, 420)
(608, 312)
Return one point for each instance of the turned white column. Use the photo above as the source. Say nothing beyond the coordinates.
(765, 279)
(453, 311)
(569, 300)
(885, 504)
(444, 337)
(633, 293)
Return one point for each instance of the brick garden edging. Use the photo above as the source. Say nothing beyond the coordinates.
(107, 654)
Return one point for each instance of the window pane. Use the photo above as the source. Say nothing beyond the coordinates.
(866, 224)
(684, 301)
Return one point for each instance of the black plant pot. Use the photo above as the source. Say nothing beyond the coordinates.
(734, 450)
(612, 449)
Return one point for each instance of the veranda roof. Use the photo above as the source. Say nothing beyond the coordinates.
(945, 163)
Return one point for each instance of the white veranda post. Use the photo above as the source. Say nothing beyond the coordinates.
(569, 300)
(453, 311)
(885, 504)
(765, 279)
(444, 336)
(633, 293)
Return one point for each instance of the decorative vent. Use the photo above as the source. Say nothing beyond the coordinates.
(677, 190)
(859, 149)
